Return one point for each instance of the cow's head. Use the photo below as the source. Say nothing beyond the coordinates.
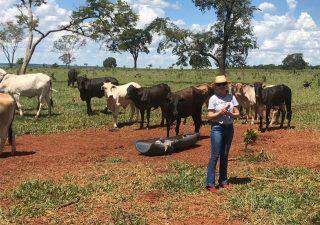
(108, 89)
(173, 105)
(132, 93)
(258, 87)
(81, 84)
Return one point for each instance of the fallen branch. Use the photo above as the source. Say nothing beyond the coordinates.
(74, 201)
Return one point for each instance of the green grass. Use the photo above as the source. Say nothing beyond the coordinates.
(184, 178)
(70, 111)
(36, 197)
(292, 200)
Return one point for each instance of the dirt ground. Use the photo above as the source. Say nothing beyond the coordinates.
(52, 156)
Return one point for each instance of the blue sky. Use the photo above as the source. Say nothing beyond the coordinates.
(281, 26)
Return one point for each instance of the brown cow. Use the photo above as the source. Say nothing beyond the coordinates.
(7, 109)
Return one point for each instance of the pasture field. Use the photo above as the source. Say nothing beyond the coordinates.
(70, 169)
(70, 111)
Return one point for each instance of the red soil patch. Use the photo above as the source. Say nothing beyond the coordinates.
(53, 155)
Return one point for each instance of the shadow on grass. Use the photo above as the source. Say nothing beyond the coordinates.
(18, 153)
(277, 128)
(239, 180)
(32, 116)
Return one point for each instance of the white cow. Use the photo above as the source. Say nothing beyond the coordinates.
(7, 108)
(116, 97)
(29, 85)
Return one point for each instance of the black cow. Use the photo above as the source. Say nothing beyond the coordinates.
(72, 77)
(90, 88)
(146, 98)
(275, 96)
(182, 104)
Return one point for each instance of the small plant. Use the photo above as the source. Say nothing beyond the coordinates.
(250, 137)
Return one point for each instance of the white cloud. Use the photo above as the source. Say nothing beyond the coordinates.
(279, 35)
(179, 22)
(148, 10)
(292, 4)
(265, 6)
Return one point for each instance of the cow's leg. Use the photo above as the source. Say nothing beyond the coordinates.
(132, 111)
(89, 110)
(2, 143)
(142, 118)
(38, 103)
(260, 115)
(283, 115)
(12, 140)
(162, 117)
(115, 114)
(49, 104)
(268, 109)
(137, 113)
(168, 122)
(178, 125)
(38, 112)
(247, 115)
(17, 99)
(252, 111)
(197, 121)
(148, 117)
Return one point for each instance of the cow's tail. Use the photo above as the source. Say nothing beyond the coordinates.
(51, 101)
(10, 133)
(288, 100)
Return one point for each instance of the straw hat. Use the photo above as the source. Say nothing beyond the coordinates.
(221, 79)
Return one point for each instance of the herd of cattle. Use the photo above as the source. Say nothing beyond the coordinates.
(253, 99)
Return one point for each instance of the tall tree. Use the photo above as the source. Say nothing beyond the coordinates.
(95, 18)
(67, 45)
(11, 35)
(226, 43)
(133, 41)
(110, 62)
(294, 61)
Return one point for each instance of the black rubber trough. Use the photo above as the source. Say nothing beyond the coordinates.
(162, 146)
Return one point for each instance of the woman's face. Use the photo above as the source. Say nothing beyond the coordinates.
(221, 88)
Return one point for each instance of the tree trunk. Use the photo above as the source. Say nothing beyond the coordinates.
(222, 68)
(135, 59)
(28, 54)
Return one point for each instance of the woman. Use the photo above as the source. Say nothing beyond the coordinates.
(222, 110)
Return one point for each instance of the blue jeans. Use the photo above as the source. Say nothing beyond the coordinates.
(221, 139)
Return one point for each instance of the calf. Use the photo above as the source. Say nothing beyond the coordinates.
(146, 98)
(207, 91)
(90, 88)
(275, 96)
(245, 95)
(7, 108)
(30, 85)
(182, 104)
(72, 77)
(116, 97)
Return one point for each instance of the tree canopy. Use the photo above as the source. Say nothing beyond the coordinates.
(226, 43)
(110, 62)
(11, 35)
(67, 45)
(133, 41)
(294, 61)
